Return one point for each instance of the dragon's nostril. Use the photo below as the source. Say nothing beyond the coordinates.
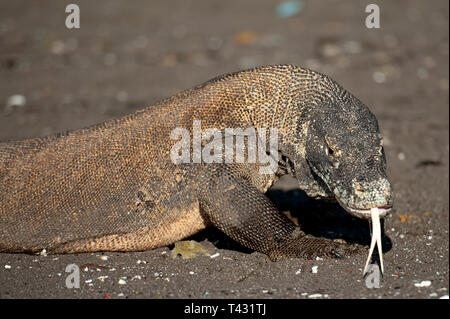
(360, 190)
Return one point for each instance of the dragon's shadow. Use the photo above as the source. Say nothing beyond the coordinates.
(315, 217)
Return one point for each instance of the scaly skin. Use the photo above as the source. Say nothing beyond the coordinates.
(113, 186)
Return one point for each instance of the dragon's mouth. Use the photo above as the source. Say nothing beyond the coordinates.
(365, 213)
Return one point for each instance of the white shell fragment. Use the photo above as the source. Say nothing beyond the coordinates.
(376, 239)
(425, 283)
(15, 100)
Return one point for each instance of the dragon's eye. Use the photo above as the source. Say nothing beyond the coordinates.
(330, 149)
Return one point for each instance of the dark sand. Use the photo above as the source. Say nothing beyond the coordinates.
(124, 58)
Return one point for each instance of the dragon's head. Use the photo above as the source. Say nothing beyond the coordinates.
(343, 158)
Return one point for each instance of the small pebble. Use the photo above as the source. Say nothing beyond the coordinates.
(315, 296)
(422, 73)
(57, 47)
(122, 282)
(314, 269)
(330, 50)
(288, 9)
(444, 297)
(7, 266)
(104, 257)
(379, 77)
(352, 47)
(425, 283)
(102, 278)
(245, 37)
(214, 255)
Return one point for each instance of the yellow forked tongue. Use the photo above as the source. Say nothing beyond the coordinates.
(376, 239)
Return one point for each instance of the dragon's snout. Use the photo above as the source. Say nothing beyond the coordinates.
(368, 195)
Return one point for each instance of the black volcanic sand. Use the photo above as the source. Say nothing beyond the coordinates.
(124, 58)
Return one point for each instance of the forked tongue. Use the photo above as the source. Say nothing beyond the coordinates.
(376, 239)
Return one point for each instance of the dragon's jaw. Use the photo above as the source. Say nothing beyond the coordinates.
(367, 213)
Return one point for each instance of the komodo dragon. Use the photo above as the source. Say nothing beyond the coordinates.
(113, 186)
